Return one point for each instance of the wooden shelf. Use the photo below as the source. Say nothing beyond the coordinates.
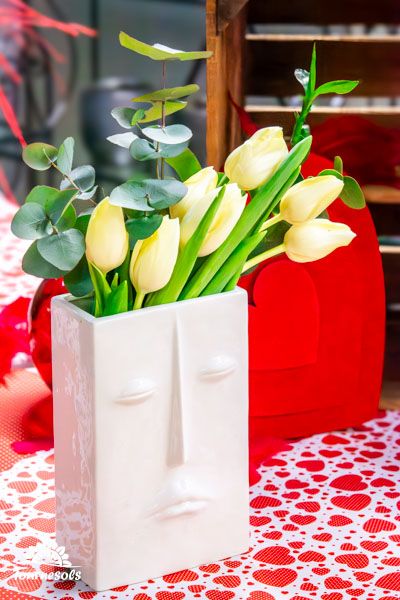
(301, 37)
(326, 110)
(318, 12)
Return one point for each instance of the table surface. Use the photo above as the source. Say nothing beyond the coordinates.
(325, 515)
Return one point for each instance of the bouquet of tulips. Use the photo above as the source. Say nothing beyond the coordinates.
(189, 231)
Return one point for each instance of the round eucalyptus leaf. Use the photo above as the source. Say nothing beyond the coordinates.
(123, 115)
(155, 112)
(41, 194)
(144, 227)
(143, 150)
(172, 134)
(67, 219)
(63, 250)
(78, 281)
(131, 194)
(168, 93)
(87, 195)
(56, 203)
(164, 192)
(84, 177)
(172, 150)
(31, 222)
(39, 155)
(351, 194)
(122, 139)
(66, 155)
(34, 264)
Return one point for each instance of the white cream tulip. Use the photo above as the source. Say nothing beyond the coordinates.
(198, 185)
(316, 239)
(107, 240)
(153, 259)
(309, 198)
(228, 213)
(255, 161)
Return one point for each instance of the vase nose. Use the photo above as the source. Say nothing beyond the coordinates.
(177, 446)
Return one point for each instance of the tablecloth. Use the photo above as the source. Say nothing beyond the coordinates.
(325, 515)
(324, 521)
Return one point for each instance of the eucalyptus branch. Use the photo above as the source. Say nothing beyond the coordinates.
(72, 182)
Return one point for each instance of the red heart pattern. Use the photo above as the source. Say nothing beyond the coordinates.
(324, 525)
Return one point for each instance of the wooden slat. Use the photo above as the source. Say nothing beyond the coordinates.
(270, 66)
(227, 11)
(307, 37)
(224, 75)
(321, 12)
(283, 116)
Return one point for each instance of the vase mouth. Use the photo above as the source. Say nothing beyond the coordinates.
(66, 301)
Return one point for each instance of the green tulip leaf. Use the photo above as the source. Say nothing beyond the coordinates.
(158, 51)
(144, 227)
(263, 202)
(313, 73)
(31, 222)
(172, 134)
(342, 86)
(34, 264)
(155, 112)
(143, 150)
(101, 287)
(163, 193)
(122, 139)
(187, 258)
(82, 220)
(39, 155)
(117, 300)
(78, 281)
(168, 93)
(66, 155)
(131, 195)
(352, 195)
(63, 250)
(185, 165)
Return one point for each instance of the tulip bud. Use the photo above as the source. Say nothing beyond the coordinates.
(107, 240)
(316, 239)
(198, 185)
(228, 213)
(309, 198)
(154, 258)
(255, 161)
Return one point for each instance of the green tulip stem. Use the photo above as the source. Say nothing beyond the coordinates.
(252, 262)
(270, 222)
(224, 179)
(138, 300)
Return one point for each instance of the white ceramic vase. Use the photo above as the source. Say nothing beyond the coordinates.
(151, 439)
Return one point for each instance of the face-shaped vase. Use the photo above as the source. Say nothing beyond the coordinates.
(151, 437)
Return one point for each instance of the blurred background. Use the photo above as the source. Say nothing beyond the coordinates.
(58, 79)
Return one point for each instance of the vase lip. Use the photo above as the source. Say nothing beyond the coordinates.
(64, 300)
